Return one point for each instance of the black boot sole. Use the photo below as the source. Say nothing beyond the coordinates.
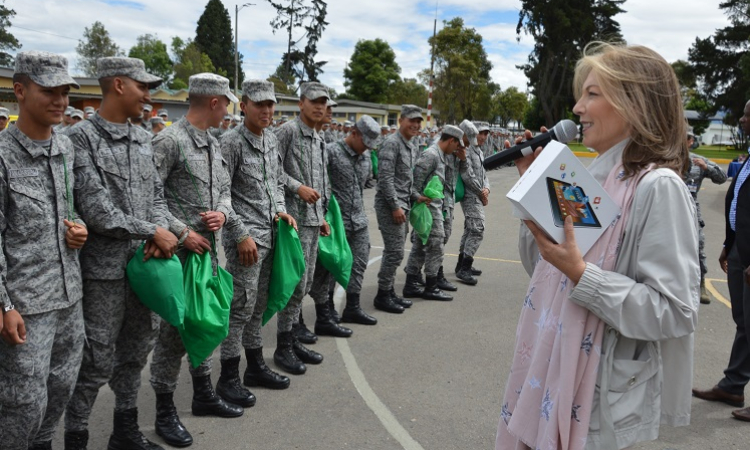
(447, 287)
(276, 386)
(336, 331)
(294, 370)
(438, 298)
(390, 309)
(413, 294)
(117, 445)
(355, 318)
(216, 410)
(173, 442)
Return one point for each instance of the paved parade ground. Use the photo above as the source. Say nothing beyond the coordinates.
(432, 378)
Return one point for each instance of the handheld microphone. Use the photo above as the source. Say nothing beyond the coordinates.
(565, 131)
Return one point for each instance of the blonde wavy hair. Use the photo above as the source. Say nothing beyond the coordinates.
(643, 89)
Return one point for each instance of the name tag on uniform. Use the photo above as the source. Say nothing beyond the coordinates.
(197, 158)
(23, 173)
(118, 150)
(251, 160)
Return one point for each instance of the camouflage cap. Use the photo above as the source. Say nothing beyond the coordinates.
(470, 130)
(89, 109)
(331, 103)
(148, 107)
(369, 129)
(384, 127)
(4, 112)
(228, 117)
(411, 112)
(77, 113)
(456, 132)
(237, 119)
(393, 127)
(69, 110)
(45, 69)
(162, 112)
(210, 84)
(258, 91)
(120, 66)
(157, 120)
(348, 123)
(482, 126)
(313, 90)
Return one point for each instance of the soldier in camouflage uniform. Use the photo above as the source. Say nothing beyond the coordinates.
(223, 127)
(348, 167)
(476, 197)
(432, 162)
(157, 125)
(146, 117)
(64, 125)
(397, 157)
(307, 193)
(257, 187)
(115, 157)
(196, 187)
(41, 277)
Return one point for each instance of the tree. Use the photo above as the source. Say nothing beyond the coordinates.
(284, 83)
(8, 42)
(189, 60)
(407, 92)
(462, 73)
(154, 54)
(371, 71)
(533, 119)
(213, 36)
(318, 12)
(96, 43)
(692, 98)
(510, 105)
(561, 29)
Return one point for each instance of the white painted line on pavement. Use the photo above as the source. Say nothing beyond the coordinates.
(381, 411)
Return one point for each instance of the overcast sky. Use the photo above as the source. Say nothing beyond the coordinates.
(668, 26)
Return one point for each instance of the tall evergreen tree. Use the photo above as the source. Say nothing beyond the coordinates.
(8, 42)
(371, 71)
(561, 29)
(213, 36)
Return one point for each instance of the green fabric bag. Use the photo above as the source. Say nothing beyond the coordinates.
(421, 216)
(460, 190)
(208, 298)
(287, 270)
(158, 284)
(374, 160)
(333, 250)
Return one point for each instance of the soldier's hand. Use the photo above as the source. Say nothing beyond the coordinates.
(485, 197)
(76, 235)
(308, 194)
(325, 229)
(248, 252)
(166, 241)
(461, 153)
(213, 220)
(700, 162)
(196, 243)
(14, 329)
(151, 250)
(523, 163)
(424, 199)
(398, 216)
(288, 219)
(723, 259)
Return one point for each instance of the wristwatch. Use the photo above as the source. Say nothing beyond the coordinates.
(8, 307)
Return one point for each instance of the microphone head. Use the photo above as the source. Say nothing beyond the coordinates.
(565, 131)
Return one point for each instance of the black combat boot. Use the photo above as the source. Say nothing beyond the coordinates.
(76, 440)
(458, 263)
(230, 387)
(207, 403)
(334, 314)
(285, 357)
(432, 292)
(420, 279)
(325, 325)
(384, 302)
(474, 271)
(464, 272)
(353, 313)
(306, 355)
(412, 289)
(126, 435)
(168, 425)
(302, 333)
(42, 446)
(400, 300)
(258, 373)
(443, 283)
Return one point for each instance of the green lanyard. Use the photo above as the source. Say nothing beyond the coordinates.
(69, 202)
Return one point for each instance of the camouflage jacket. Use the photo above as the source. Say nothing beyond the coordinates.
(431, 163)
(396, 159)
(349, 173)
(475, 179)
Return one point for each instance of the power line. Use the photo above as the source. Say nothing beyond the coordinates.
(44, 32)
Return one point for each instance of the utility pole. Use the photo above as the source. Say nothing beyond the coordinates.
(237, 9)
(432, 72)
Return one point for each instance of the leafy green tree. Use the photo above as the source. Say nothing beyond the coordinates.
(96, 43)
(371, 71)
(510, 105)
(154, 54)
(561, 29)
(8, 42)
(213, 36)
(407, 91)
(533, 119)
(284, 83)
(189, 60)
(462, 73)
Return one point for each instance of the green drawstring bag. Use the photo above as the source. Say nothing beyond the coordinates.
(374, 160)
(421, 216)
(158, 284)
(333, 250)
(208, 298)
(460, 190)
(287, 270)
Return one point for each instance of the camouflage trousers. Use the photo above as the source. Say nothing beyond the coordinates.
(447, 224)
(472, 237)
(394, 238)
(120, 333)
(37, 377)
(249, 302)
(308, 237)
(701, 242)
(323, 282)
(169, 350)
(429, 255)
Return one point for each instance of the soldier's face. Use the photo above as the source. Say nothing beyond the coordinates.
(135, 95)
(217, 110)
(482, 137)
(258, 115)
(328, 118)
(410, 127)
(157, 127)
(357, 142)
(313, 111)
(67, 120)
(3, 123)
(42, 105)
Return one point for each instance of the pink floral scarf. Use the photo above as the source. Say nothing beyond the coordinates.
(549, 395)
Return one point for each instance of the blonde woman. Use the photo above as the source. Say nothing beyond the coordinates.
(598, 333)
